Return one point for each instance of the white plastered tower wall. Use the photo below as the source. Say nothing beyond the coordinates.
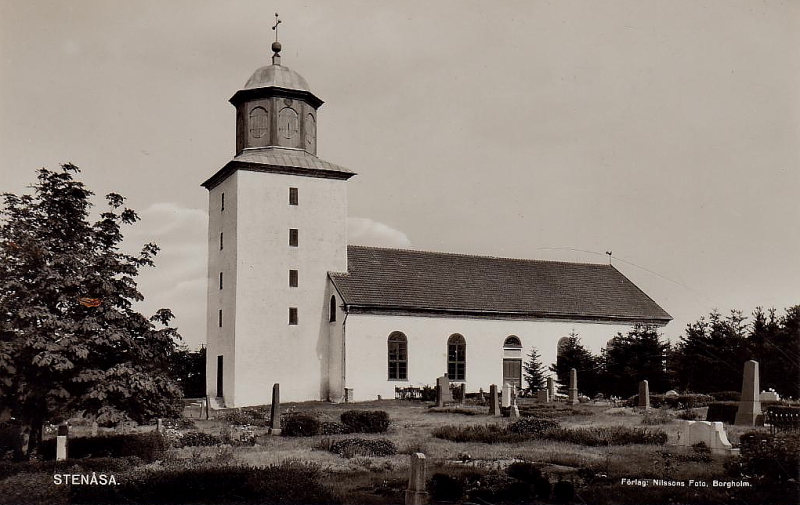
(268, 349)
(221, 339)
(366, 335)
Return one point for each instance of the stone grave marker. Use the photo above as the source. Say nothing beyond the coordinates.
(445, 383)
(159, 426)
(551, 389)
(417, 493)
(710, 433)
(542, 396)
(573, 387)
(506, 396)
(643, 402)
(494, 405)
(462, 393)
(95, 428)
(61, 442)
(275, 411)
(750, 404)
(439, 394)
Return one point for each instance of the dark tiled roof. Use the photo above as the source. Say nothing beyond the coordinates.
(418, 281)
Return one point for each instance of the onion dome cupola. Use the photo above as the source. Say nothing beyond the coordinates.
(276, 108)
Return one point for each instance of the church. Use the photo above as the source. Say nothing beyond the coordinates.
(290, 302)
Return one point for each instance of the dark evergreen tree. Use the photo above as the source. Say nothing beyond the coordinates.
(572, 354)
(629, 359)
(70, 340)
(534, 371)
(188, 368)
(775, 343)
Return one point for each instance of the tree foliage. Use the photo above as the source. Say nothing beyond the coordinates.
(70, 339)
(188, 368)
(534, 371)
(572, 354)
(628, 359)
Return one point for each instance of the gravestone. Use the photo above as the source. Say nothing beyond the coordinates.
(551, 389)
(494, 405)
(159, 426)
(671, 393)
(417, 493)
(573, 387)
(712, 434)
(61, 442)
(769, 396)
(750, 404)
(542, 396)
(94, 428)
(643, 401)
(462, 393)
(439, 394)
(275, 411)
(445, 383)
(514, 411)
(506, 396)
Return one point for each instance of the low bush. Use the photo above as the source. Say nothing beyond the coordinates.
(455, 410)
(726, 396)
(524, 471)
(443, 487)
(482, 433)
(563, 492)
(655, 417)
(300, 425)
(334, 428)
(351, 447)
(197, 439)
(366, 421)
(607, 435)
(771, 458)
(289, 482)
(551, 411)
(542, 488)
(10, 439)
(722, 411)
(532, 426)
(246, 417)
(688, 415)
(682, 401)
(494, 488)
(147, 446)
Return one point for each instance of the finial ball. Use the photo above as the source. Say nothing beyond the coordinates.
(276, 46)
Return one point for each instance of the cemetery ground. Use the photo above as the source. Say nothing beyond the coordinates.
(231, 458)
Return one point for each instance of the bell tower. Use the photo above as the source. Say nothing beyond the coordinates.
(277, 226)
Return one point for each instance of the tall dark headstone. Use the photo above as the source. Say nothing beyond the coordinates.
(644, 395)
(750, 402)
(494, 403)
(417, 493)
(275, 412)
(573, 387)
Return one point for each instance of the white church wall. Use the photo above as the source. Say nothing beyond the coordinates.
(220, 340)
(268, 348)
(366, 348)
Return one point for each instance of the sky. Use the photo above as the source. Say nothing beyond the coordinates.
(666, 132)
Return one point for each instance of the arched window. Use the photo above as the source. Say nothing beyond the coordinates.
(259, 122)
(512, 341)
(398, 356)
(456, 357)
(332, 310)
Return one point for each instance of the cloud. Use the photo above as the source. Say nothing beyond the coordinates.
(365, 231)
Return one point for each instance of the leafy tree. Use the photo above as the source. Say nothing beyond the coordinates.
(775, 343)
(70, 340)
(188, 368)
(629, 359)
(572, 354)
(534, 371)
(711, 356)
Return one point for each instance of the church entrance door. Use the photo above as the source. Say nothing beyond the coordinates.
(512, 372)
(219, 376)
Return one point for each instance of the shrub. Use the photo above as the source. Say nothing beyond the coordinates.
(300, 425)
(444, 487)
(483, 433)
(499, 488)
(289, 482)
(563, 492)
(688, 415)
(726, 396)
(773, 458)
(722, 411)
(532, 425)
(147, 446)
(245, 417)
(542, 488)
(334, 428)
(350, 447)
(607, 435)
(656, 417)
(10, 439)
(524, 471)
(366, 421)
(197, 439)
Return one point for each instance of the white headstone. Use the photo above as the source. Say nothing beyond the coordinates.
(710, 433)
(416, 494)
(506, 396)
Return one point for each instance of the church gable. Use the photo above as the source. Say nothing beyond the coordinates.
(397, 281)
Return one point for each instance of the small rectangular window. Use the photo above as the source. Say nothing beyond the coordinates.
(220, 241)
(220, 318)
(222, 204)
(293, 237)
(293, 278)
(220, 280)
(293, 197)
(293, 315)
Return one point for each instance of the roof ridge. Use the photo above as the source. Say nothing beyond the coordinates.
(464, 255)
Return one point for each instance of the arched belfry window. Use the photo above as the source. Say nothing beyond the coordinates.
(332, 310)
(456, 357)
(259, 122)
(398, 356)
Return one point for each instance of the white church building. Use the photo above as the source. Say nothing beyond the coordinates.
(290, 302)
